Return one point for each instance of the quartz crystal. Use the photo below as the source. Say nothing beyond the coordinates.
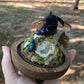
(45, 48)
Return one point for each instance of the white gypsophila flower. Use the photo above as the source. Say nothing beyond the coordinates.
(46, 63)
(36, 36)
(34, 59)
(26, 43)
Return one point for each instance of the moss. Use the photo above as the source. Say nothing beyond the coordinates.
(56, 50)
(50, 54)
(22, 48)
(53, 60)
(40, 59)
(58, 59)
(30, 39)
(49, 38)
(30, 53)
(40, 40)
(22, 51)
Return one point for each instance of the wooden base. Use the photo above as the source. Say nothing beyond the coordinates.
(38, 72)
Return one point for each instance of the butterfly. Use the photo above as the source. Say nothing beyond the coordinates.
(49, 25)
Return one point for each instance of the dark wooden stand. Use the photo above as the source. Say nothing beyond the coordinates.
(35, 71)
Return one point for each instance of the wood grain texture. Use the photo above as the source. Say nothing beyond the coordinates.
(35, 71)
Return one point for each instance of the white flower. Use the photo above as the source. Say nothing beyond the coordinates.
(46, 62)
(36, 36)
(34, 59)
(26, 43)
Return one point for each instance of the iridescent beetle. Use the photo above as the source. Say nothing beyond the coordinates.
(32, 46)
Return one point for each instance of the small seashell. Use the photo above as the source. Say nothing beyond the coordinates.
(26, 43)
